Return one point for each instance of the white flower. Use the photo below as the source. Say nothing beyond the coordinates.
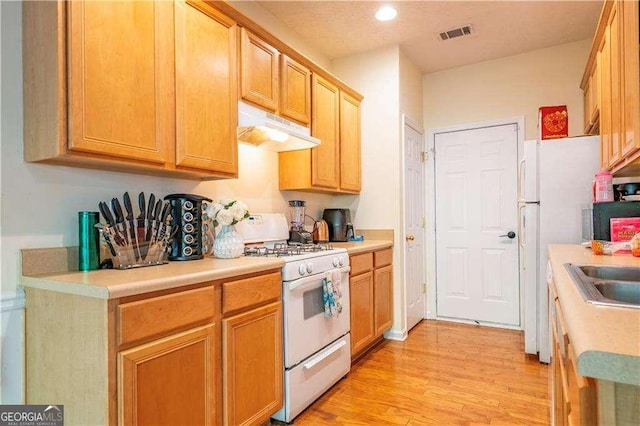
(227, 212)
(238, 211)
(225, 217)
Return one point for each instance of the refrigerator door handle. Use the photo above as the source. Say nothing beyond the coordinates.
(521, 226)
(520, 177)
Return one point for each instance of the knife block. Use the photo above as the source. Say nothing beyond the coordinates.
(186, 211)
(138, 243)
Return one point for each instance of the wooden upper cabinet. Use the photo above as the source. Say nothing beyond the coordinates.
(119, 72)
(295, 90)
(259, 71)
(206, 95)
(141, 87)
(350, 156)
(615, 80)
(325, 158)
(614, 67)
(631, 78)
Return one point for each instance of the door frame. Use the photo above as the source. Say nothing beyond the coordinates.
(406, 121)
(430, 187)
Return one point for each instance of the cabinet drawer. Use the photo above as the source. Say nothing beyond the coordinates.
(251, 291)
(152, 317)
(382, 257)
(361, 263)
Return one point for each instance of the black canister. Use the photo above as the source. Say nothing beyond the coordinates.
(88, 241)
(186, 210)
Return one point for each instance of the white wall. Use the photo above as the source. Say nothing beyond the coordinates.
(40, 202)
(376, 75)
(411, 102)
(507, 87)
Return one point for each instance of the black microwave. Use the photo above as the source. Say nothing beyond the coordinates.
(603, 212)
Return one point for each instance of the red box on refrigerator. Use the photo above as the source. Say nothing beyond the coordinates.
(553, 122)
(624, 228)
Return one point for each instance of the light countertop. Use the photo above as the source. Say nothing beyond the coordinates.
(114, 283)
(606, 340)
(358, 247)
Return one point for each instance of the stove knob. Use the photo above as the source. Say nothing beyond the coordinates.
(341, 261)
(309, 267)
(302, 269)
(335, 262)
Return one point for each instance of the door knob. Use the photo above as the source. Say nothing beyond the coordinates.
(409, 238)
(511, 235)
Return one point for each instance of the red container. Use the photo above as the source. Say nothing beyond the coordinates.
(624, 228)
(553, 122)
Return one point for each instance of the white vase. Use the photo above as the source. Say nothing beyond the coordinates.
(228, 243)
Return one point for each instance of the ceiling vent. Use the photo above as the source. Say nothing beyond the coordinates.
(463, 31)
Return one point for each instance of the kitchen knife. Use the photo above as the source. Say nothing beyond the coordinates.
(151, 206)
(133, 233)
(156, 211)
(106, 213)
(141, 205)
(104, 210)
(142, 234)
(165, 211)
(117, 210)
(127, 205)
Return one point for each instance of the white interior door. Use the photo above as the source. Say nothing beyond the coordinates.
(415, 255)
(476, 208)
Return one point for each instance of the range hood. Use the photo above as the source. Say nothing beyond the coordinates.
(260, 128)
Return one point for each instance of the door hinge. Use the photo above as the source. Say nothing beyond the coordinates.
(424, 288)
(424, 156)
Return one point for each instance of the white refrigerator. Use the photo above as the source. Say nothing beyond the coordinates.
(555, 185)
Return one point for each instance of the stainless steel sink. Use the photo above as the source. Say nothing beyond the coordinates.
(607, 285)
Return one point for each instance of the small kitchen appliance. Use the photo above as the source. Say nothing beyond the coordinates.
(186, 210)
(339, 221)
(297, 233)
(320, 232)
(317, 347)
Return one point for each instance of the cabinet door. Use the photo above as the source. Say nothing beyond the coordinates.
(295, 90)
(259, 71)
(350, 173)
(605, 96)
(615, 58)
(361, 304)
(169, 381)
(120, 79)
(206, 89)
(325, 125)
(383, 305)
(631, 77)
(252, 365)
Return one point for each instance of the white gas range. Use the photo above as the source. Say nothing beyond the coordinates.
(317, 347)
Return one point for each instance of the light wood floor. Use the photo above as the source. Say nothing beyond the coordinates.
(443, 374)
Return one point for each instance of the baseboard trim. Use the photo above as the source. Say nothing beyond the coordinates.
(399, 335)
(12, 301)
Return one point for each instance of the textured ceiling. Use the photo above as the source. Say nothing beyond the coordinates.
(502, 28)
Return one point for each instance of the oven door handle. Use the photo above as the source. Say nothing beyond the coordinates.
(324, 354)
(292, 285)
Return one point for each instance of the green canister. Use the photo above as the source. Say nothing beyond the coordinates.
(89, 241)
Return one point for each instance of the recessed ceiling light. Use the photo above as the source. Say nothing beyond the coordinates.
(386, 13)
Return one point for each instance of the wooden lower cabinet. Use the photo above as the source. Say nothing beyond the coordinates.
(252, 365)
(361, 299)
(574, 397)
(371, 298)
(171, 357)
(383, 301)
(154, 379)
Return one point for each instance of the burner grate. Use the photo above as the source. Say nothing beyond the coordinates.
(284, 249)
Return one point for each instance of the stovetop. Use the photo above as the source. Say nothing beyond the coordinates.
(287, 249)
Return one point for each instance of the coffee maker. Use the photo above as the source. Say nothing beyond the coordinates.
(297, 233)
